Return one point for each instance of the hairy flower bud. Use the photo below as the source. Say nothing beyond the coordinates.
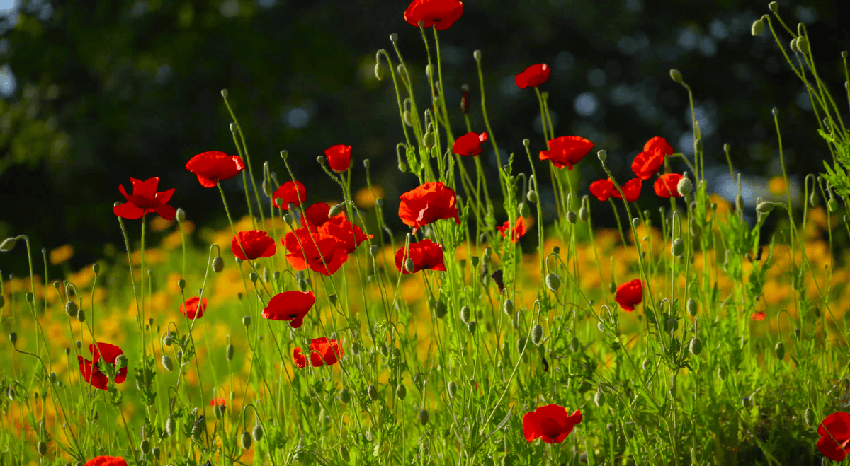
(245, 440)
(695, 346)
(758, 27)
(465, 314)
(832, 205)
(229, 353)
(678, 247)
(599, 398)
(372, 391)
(583, 213)
(8, 244)
(779, 350)
(572, 217)
(691, 306)
(246, 321)
(537, 334)
(166, 363)
(520, 344)
(81, 315)
(71, 308)
(452, 389)
(257, 433)
(424, 417)
(676, 76)
(685, 186)
(508, 307)
(532, 196)
(553, 281)
(170, 426)
(809, 417)
(42, 448)
(429, 140)
(217, 264)
(379, 71)
(764, 207)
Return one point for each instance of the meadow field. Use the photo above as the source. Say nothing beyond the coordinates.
(484, 332)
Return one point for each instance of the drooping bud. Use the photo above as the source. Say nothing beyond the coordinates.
(691, 306)
(452, 389)
(257, 433)
(603, 156)
(695, 346)
(401, 391)
(685, 186)
(678, 247)
(465, 314)
(758, 27)
(583, 213)
(553, 281)
(170, 426)
(774, 7)
(471, 326)
(599, 398)
(779, 350)
(81, 315)
(180, 215)
(532, 196)
(508, 307)
(336, 209)
(572, 217)
(809, 417)
(832, 205)
(764, 207)
(379, 71)
(246, 321)
(424, 417)
(536, 334)
(245, 440)
(42, 448)
(520, 344)
(372, 391)
(676, 76)
(217, 264)
(166, 363)
(71, 308)
(8, 244)
(229, 353)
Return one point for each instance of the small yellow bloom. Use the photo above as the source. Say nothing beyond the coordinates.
(777, 185)
(365, 197)
(61, 254)
(160, 224)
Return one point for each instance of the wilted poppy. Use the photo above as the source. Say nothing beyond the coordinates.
(518, 231)
(321, 252)
(214, 166)
(291, 192)
(323, 351)
(667, 185)
(339, 157)
(631, 190)
(658, 144)
(629, 295)
(425, 254)
(104, 353)
(602, 189)
(834, 434)
(145, 200)
(646, 164)
(533, 76)
(252, 245)
(428, 203)
(438, 13)
(105, 460)
(566, 151)
(290, 305)
(760, 315)
(550, 423)
(469, 144)
(218, 402)
(194, 307)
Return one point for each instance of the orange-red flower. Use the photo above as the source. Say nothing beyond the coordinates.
(425, 254)
(760, 315)
(214, 166)
(252, 244)
(290, 305)
(533, 76)
(291, 192)
(105, 460)
(339, 157)
(428, 203)
(323, 351)
(518, 231)
(834, 434)
(321, 252)
(647, 164)
(438, 13)
(667, 185)
(602, 189)
(469, 144)
(658, 144)
(145, 200)
(566, 151)
(194, 307)
(551, 423)
(218, 402)
(629, 295)
(103, 354)
(631, 190)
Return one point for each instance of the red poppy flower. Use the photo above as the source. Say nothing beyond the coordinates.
(438, 13)
(426, 204)
(518, 231)
(629, 295)
(217, 402)
(658, 144)
(760, 315)
(254, 243)
(551, 423)
(647, 164)
(194, 308)
(321, 252)
(667, 185)
(106, 461)
(322, 352)
(469, 144)
(602, 189)
(145, 200)
(291, 192)
(631, 189)
(214, 166)
(533, 76)
(566, 151)
(104, 353)
(316, 215)
(290, 305)
(425, 254)
(339, 157)
(348, 235)
(834, 434)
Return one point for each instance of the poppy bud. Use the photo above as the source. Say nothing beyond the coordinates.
(246, 321)
(257, 433)
(832, 205)
(465, 314)
(764, 207)
(532, 196)
(574, 345)
(779, 350)
(758, 27)
(217, 264)
(583, 213)
(42, 448)
(802, 44)
(8, 244)
(336, 209)
(508, 307)
(671, 325)
(471, 326)
(166, 363)
(599, 398)
(303, 284)
(476, 55)
(71, 308)
(774, 7)
(452, 388)
(344, 395)
(245, 440)
(536, 334)
(678, 247)
(695, 346)
(809, 417)
(571, 216)
(424, 416)
(797, 332)
(253, 276)
(685, 186)
(170, 426)
(428, 140)
(676, 75)
(145, 446)
(553, 281)
(613, 287)
(646, 365)
(520, 344)
(81, 315)
(372, 391)
(813, 199)
(746, 402)
(691, 306)
(379, 71)
(602, 155)
(229, 353)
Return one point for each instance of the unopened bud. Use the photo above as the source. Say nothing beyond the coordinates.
(336, 209)
(424, 417)
(217, 264)
(779, 350)
(691, 306)
(802, 44)
(257, 433)
(476, 55)
(508, 307)
(13, 337)
(452, 389)
(180, 215)
(599, 398)
(603, 156)
(465, 314)
(685, 186)
(81, 315)
(471, 326)
(246, 321)
(409, 265)
(832, 205)
(532, 196)
(695, 346)
(170, 426)
(520, 344)
(572, 217)
(764, 207)
(636, 222)
(379, 71)
(428, 140)
(758, 27)
(401, 391)
(71, 308)
(583, 213)
(245, 440)
(372, 391)
(774, 7)
(344, 395)
(678, 247)
(676, 76)
(229, 353)
(536, 334)
(809, 417)
(8, 244)
(42, 448)
(166, 363)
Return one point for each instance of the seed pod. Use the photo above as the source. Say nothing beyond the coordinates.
(424, 416)
(166, 363)
(217, 264)
(170, 426)
(691, 306)
(71, 308)
(452, 389)
(695, 346)
(245, 440)
(257, 433)
(536, 334)
(229, 353)
(599, 398)
(779, 349)
(553, 281)
(372, 391)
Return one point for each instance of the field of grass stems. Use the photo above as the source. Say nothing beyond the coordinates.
(486, 332)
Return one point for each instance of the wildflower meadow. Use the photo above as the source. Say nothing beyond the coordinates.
(487, 332)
